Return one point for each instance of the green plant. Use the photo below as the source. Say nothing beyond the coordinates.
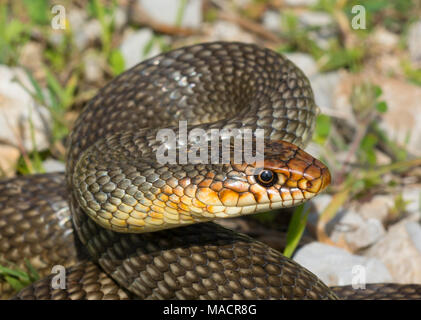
(296, 229)
(13, 35)
(18, 278)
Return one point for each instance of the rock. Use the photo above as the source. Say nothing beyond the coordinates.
(9, 156)
(94, 65)
(377, 208)
(412, 195)
(385, 39)
(400, 251)
(52, 165)
(83, 31)
(18, 109)
(134, 45)
(404, 113)
(227, 31)
(300, 3)
(335, 266)
(304, 61)
(414, 43)
(311, 19)
(401, 122)
(320, 25)
(359, 233)
(31, 56)
(165, 11)
(120, 18)
(330, 101)
(272, 20)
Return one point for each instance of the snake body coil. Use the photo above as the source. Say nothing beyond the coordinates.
(126, 207)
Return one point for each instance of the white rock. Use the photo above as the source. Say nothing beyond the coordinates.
(377, 208)
(358, 232)
(228, 31)
(93, 66)
(18, 109)
(134, 45)
(165, 11)
(325, 86)
(401, 122)
(272, 20)
(300, 3)
(120, 18)
(414, 43)
(385, 38)
(83, 31)
(315, 19)
(404, 113)
(412, 195)
(304, 61)
(400, 251)
(335, 266)
(52, 165)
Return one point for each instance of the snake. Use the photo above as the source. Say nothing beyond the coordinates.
(124, 225)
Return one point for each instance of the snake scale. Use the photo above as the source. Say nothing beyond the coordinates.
(126, 226)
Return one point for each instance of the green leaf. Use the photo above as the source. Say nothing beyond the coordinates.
(16, 284)
(323, 126)
(381, 107)
(33, 274)
(378, 91)
(295, 229)
(117, 62)
(38, 11)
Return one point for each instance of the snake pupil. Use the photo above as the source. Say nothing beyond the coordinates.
(266, 178)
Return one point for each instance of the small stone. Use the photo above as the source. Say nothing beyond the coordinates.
(325, 93)
(335, 266)
(412, 196)
(377, 208)
(414, 43)
(304, 61)
(94, 66)
(228, 31)
(315, 19)
(385, 39)
(272, 20)
(18, 109)
(400, 251)
(52, 165)
(165, 11)
(300, 3)
(133, 47)
(9, 156)
(84, 31)
(359, 233)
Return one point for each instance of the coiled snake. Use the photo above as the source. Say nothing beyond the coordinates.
(125, 205)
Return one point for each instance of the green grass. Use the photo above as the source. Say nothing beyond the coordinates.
(18, 278)
(296, 229)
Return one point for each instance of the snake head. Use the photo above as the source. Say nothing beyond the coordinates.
(289, 176)
(147, 196)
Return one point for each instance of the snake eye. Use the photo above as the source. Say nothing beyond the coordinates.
(266, 178)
